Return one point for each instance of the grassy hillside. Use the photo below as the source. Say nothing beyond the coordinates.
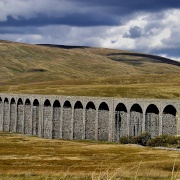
(32, 158)
(85, 71)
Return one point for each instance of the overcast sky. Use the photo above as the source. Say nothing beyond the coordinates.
(148, 26)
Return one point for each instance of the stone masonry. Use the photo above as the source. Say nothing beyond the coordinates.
(91, 118)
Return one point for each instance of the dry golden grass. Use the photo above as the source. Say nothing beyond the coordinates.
(85, 72)
(23, 157)
(146, 86)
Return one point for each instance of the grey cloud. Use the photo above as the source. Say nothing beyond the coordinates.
(76, 12)
(84, 22)
(19, 30)
(134, 32)
(129, 6)
(76, 19)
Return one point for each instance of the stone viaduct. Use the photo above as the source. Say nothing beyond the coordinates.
(93, 118)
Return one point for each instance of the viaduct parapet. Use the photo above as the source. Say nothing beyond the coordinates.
(93, 118)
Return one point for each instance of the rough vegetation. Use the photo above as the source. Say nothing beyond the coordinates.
(164, 141)
(85, 71)
(142, 139)
(23, 157)
(145, 139)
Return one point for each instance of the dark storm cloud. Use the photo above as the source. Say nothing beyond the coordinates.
(121, 7)
(74, 19)
(78, 12)
(17, 30)
(150, 26)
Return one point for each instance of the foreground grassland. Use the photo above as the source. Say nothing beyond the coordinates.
(23, 157)
(86, 72)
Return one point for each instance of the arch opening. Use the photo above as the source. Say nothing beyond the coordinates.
(78, 105)
(170, 110)
(90, 105)
(67, 104)
(103, 106)
(35, 102)
(13, 101)
(152, 120)
(136, 119)
(120, 122)
(6, 100)
(136, 108)
(121, 107)
(152, 109)
(56, 103)
(47, 103)
(170, 121)
(20, 102)
(103, 122)
(27, 102)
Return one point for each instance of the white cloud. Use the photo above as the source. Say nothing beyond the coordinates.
(157, 33)
(163, 33)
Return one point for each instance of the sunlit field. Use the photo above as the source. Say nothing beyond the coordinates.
(33, 69)
(168, 88)
(23, 157)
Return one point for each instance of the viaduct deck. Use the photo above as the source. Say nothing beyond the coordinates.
(94, 118)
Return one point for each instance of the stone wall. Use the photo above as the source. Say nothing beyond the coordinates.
(121, 124)
(90, 119)
(12, 126)
(20, 118)
(1, 115)
(152, 124)
(136, 119)
(35, 120)
(27, 119)
(106, 119)
(103, 125)
(56, 122)
(6, 116)
(78, 126)
(169, 124)
(47, 119)
(67, 123)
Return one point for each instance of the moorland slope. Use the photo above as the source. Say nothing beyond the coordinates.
(86, 71)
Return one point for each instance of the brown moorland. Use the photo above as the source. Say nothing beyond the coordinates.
(85, 71)
(23, 157)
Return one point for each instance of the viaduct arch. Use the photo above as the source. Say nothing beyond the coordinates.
(91, 118)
